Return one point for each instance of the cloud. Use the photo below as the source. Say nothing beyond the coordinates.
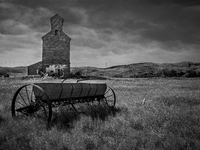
(152, 20)
(16, 14)
(20, 33)
(23, 42)
(134, 30)
(13, 27)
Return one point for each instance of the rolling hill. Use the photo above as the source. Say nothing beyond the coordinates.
(142, 70)
(135, 70)
(7, 71)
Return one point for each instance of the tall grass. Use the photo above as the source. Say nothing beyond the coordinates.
(169, 119)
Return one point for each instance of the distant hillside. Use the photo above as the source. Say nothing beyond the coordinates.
(136, 70)
(144, 70)
(6, 71)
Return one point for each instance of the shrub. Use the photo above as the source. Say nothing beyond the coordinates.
(169, 73)
(76, 73)
(192, 73)
(118, 76)
(6, 75)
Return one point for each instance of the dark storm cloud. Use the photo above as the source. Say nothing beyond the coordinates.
(54, 4)
(16, 19)
(154, 20)
(162, 21)
(89, 42)
(35, 13)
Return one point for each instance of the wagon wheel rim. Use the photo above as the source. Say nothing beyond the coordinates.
(26, 103)
(110, 97)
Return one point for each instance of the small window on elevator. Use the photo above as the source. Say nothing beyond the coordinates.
(56, 32)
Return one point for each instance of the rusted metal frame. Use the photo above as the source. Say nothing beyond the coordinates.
(72, 104)
(61, 92)
(80, 93)
(79, 80)
(89, 90)
(87, 98)
(74, 108)
(70, 99)
(71, 91)
(56, 103)
(96, 90)
(63, 80)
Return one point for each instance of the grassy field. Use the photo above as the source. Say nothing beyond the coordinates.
(157, 113)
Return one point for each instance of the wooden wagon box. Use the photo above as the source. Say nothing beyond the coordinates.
(56, 91)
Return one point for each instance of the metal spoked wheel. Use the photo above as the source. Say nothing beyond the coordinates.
(31, 100)
(110, 97)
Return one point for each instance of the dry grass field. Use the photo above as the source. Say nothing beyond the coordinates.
(156, 113)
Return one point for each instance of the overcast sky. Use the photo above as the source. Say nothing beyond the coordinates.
(104, 32)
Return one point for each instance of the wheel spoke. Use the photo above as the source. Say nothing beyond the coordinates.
(74, 108)
(109, 96)
(107, 91)
(32, 95)
(21, 110)
(110, 100)
(20, 103)
(22, 98)
(27, 94)
(23, 113)
(24, 102)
